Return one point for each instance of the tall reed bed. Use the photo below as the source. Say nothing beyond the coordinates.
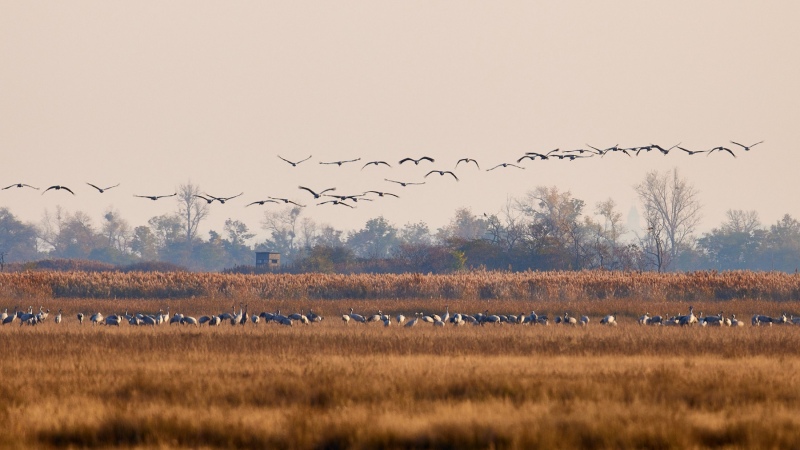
(473, 285)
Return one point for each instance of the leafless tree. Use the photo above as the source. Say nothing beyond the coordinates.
(672, 209)
(739, 221)
(191, 209)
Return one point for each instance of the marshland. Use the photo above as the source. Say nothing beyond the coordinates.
(335, 385)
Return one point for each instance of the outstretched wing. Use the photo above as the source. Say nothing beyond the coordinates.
(309, 190)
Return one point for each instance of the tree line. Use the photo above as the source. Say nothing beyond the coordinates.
(546, 229)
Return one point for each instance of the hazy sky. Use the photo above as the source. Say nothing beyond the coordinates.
(152, 94)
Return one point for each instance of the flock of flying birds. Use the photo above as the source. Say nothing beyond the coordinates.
(328, 197)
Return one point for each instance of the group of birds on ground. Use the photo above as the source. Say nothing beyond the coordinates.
(242, 317)
(349, 200)
(161, 317)
(484, 318)
(718, 320)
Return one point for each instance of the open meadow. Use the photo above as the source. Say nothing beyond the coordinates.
(337, 385)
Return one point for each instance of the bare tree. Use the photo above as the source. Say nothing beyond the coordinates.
(653, 243)
(191, 209)
(739, 221)
(672, 208)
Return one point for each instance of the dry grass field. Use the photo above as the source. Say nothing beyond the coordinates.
(331, 385)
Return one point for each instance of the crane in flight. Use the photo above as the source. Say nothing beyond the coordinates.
(504, 165)
(155, 197)
(335, 202)
(746, 147)
(416, 161)
(442, 172)
(101, 190)
(262, 202)
(294, 164)
(287, 201)
(20, 185)
(403, 183)
(467, 161)
(376, 163)
(315, 194)
(339, 163)
(221, 199)
(58, 188)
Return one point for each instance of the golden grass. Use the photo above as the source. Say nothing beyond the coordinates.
(331, 385)
(473, 285)
(334, 386)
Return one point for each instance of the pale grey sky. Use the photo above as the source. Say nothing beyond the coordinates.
(151, 94)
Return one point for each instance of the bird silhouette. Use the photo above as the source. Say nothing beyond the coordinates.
(209, 200)
(616, 149)
(746, 147)
(317, 195)
(381, 194)
(335, 202)
(101, 190)
(596, 150)
(294, 164)
(354, 198)
(504, 165)
(58, 188)
(692, 152)
(155, 197)
(721, 149)
(580, 151)
(467, 161)
(571, 157)
(223, 199)
(286, 200)
(442, 172)
(416, 161)
(339, 163)
(532, 156)
(403, 183)
(261, 202)
(19, 185)
(376, 163)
